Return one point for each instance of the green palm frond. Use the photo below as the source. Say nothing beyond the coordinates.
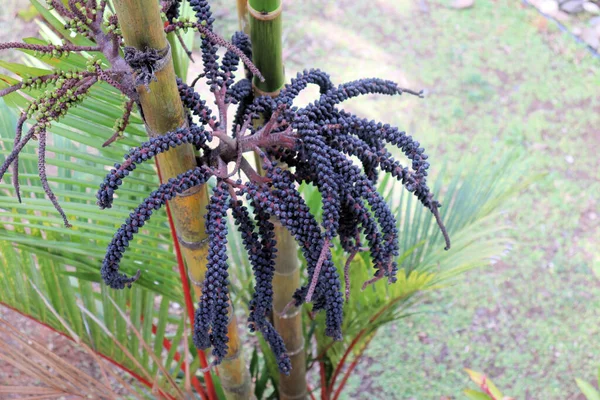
(472, 212)
(38, 253)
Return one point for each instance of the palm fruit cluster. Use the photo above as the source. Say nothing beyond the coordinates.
(314, 144)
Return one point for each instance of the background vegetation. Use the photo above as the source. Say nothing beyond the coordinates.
(497, 78)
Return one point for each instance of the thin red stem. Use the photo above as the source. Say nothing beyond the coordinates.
(349, 372)
(484, 386)
(356, 339)
(343, 360)
(48, 48)
(324, 391)
(187, 294)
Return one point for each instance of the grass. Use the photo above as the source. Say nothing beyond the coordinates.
(498, 79)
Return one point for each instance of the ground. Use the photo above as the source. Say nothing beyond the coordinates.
(498, 78)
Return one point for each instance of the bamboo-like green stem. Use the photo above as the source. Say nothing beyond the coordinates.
(265, 32)
(178, 54)
(289, 325)
(265, 6)
(142, 28)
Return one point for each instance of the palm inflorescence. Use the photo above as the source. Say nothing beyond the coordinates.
(316, 144)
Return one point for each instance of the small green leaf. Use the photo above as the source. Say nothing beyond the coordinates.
(254, 363)
(28, 14)
(261, 383)
(217, 384)
(588, 390)
(269, 360)
(24, 70)
(483, 381)
(475, 395)
(60, 26)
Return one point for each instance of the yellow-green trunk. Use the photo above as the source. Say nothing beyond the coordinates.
(142, 27)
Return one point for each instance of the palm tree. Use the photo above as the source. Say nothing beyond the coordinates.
(52, 274)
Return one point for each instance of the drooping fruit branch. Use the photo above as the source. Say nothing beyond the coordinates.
(265, 30)
(316, 144)
(143, 29)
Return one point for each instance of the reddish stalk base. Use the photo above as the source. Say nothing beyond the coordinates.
(187, 294)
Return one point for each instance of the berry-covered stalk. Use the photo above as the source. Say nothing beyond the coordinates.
(142, 28)
(265, 32)
(317, 144)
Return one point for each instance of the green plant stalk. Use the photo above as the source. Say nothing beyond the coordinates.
(181, 60)
(142, 27)
(265, 32)
(285, 282)
(178, 56)
(265, 5)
